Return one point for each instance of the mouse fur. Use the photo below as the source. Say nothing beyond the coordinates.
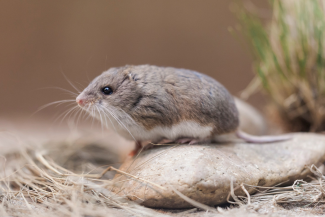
(155, 103)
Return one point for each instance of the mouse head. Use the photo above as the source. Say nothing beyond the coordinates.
(112, 91)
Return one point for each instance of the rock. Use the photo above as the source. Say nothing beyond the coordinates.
(204, 172)
(250, 120)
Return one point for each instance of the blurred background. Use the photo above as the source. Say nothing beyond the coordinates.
(42, 40)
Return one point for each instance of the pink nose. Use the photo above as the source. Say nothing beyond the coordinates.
(81, 102)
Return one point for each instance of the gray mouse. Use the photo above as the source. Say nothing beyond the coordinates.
(164, 104)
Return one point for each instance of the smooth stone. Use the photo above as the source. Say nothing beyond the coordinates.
(204, 172)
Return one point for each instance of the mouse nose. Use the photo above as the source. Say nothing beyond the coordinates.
(81, 102)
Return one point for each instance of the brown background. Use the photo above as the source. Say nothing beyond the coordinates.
(40, 40)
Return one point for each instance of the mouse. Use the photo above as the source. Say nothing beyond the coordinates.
(160, 105)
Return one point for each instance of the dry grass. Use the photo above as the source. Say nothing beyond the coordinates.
(300, 193)
(50, 182)
(301, 198)
(69, 178)
(33, 184)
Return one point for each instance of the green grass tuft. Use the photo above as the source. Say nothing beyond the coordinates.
(289, 58)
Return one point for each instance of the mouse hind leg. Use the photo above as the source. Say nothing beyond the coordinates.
(138, 147)
(141, 146)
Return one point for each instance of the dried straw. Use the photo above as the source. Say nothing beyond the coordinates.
(301, 192)
(38, 183)
(37, 186)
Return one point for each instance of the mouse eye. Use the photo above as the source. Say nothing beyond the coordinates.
(107, 90)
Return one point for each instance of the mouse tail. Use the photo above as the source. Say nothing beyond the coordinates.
(262, 139)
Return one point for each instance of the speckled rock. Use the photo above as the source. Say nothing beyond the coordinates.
(204, 172)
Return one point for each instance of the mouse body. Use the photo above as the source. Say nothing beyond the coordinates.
(163, 104)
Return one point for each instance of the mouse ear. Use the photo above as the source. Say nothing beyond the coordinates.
(132, 76)
(127, 71)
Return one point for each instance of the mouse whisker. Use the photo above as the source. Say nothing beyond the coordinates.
(119, 121)
(93, 116)
(89, 112)
(126, 117)
(57, 103)
(102, 114)
(66, 78)
(71, 115)
(112, 114)
(130, 119)
(82, 113)
(60, 88)
(66, 113)
(97, 115)
(101, 119)
(106, 115)
(77, 116)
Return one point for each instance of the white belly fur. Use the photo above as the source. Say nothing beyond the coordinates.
(189, 129)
